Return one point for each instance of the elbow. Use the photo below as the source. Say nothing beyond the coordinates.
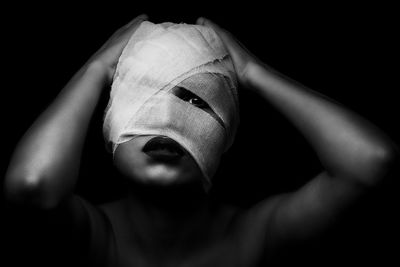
(27, 191)
(18, 187)
(380, 165)
(387, 157)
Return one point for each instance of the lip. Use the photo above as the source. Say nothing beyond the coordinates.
(163, 148)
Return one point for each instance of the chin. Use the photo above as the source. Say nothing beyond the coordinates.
(162, 175)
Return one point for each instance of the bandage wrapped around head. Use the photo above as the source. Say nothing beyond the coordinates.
(157, 58)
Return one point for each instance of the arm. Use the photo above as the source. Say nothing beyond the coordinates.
(348, 146)
(355, 154)
(44, 167)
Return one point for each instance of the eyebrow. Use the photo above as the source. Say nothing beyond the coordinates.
(178, 91)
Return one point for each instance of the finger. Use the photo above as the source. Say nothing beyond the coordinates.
(127, 30)
(200, 21)
(224, 34)
(137, 19)
(240, 55)
(234, 47)
(127, 27)
(207, 22)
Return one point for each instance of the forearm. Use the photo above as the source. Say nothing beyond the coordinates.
(45, 164)
(346, 144)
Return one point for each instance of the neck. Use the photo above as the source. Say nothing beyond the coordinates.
(164, 217)
(169, 200)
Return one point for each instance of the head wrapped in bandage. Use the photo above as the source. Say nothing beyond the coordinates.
(157, 58)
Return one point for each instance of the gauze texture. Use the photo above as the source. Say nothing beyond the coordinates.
(157, 58)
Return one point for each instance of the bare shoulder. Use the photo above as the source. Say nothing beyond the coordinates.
(301, 215)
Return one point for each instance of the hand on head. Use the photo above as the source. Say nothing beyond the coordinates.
(107, 56)
(242, 58)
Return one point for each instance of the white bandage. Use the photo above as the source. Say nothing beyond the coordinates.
(157, 58)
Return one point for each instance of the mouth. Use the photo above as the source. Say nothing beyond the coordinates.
(162, 148)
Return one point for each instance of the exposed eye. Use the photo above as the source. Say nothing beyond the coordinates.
(189, 97)
(196, 101)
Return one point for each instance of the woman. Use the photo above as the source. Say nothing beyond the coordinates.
(168, 218)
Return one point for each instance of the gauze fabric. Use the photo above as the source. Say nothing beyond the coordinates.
(157, 58)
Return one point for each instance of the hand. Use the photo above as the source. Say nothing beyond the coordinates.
(106, 58)
(243, 60)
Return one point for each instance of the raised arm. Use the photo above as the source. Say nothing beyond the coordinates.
(354, 153)
(44, 167)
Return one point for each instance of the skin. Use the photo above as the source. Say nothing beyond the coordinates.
(167, 220)
(136, 165)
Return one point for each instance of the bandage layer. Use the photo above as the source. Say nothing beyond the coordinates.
(157, 58)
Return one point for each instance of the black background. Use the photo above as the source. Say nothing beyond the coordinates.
(344, 51)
